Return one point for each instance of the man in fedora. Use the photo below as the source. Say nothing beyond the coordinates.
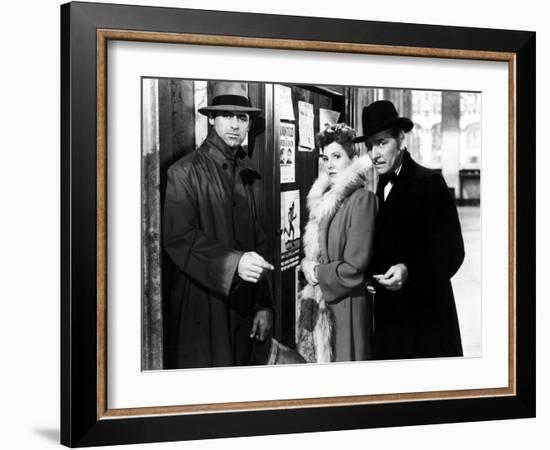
(418, 246)
(220, 302)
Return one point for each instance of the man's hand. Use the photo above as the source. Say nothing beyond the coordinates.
(252, 267)
(394, 278)
(261, 325)
(308, 267)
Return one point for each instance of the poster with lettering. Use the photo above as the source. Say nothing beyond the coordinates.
(283, 102)
(287, 149)
(307, 134)
(290, 229)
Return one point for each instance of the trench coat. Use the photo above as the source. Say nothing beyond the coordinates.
(346, 248)
(209, 222)
(417, 225)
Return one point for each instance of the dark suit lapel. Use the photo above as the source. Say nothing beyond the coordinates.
(380, 195)
(401, 183)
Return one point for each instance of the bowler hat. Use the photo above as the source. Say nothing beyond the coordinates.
(228, 96)
(379, 116)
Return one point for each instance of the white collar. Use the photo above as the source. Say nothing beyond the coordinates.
(397, 171)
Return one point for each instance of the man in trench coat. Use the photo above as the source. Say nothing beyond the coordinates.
(221, 301)
(418, 246)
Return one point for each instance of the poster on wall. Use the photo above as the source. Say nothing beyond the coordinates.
(327, 118)
(283, 100)
(307, 134)
(287, 149)
(290, 229)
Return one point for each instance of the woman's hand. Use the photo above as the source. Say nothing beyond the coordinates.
(310, 271)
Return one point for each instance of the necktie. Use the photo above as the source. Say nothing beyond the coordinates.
(390, 178)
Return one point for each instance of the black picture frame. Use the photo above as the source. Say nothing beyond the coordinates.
(82, 422)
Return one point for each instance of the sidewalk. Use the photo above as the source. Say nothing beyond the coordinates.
(467, 282)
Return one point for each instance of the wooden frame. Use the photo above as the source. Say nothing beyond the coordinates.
(86, 418)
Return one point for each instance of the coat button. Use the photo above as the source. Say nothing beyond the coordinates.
(224, 166)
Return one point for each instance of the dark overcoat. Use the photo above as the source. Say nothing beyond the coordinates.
(417, 225)
(209, 222)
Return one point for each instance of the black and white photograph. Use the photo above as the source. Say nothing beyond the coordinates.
(274, 224)
(378, 214)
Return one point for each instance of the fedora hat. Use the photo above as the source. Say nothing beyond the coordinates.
(228, 96)
(379, 116)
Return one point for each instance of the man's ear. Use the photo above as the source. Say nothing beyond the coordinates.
(211, 119)
(402, 140)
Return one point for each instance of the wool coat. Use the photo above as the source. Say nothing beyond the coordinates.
(339, 236)
(417, 225)
(209, 222)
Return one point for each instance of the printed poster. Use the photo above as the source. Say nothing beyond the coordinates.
(287, 152)
(283, 100)
(327, 118)
(290, 229)
(307, 134)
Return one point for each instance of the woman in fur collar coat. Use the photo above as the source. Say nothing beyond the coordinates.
(335, 311)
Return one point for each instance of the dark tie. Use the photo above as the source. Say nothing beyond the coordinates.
(390, 178)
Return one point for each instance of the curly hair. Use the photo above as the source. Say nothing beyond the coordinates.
(340, 133)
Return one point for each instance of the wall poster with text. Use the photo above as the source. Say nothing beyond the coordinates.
(290, 229)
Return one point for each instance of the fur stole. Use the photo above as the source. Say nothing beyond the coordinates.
(314, 322)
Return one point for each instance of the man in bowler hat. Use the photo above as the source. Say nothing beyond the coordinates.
(418, 246)
(220, 302)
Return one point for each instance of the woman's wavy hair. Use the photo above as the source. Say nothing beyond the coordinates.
(340, 133)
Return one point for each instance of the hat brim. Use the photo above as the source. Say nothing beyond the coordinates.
(247, 109)
(403, 123)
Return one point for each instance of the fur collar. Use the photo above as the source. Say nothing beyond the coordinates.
(325, 198)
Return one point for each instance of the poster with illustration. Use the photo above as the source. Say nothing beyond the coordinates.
(290, 229)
